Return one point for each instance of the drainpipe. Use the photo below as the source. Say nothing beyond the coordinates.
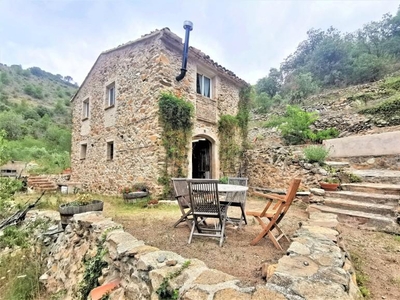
(188, 26)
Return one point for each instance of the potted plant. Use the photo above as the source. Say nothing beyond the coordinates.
(137, 190)
(83, 203)
(330, 183)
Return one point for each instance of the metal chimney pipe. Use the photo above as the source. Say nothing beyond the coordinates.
(188, 26)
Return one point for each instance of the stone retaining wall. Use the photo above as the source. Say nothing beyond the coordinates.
(314, 267)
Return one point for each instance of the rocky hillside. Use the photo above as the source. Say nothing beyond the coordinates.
(356, 110)
(360, 109)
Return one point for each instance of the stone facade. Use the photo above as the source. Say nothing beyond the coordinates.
(139, 72)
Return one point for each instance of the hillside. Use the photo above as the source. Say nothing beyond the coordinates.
(35, 116)
(360, 109)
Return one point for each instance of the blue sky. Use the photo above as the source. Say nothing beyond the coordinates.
(246, 36)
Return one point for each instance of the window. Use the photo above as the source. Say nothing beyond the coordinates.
(110, 150)
(111, 95)
(203, 84)
(83, 151)
(85, 111)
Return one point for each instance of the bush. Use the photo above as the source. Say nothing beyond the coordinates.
(294, 125)
(325, 134)
(316, 153)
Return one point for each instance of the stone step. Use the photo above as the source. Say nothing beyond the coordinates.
(368, 187)
(364, 197)
(378, 175)
(337, 164)
(359, 218)
(369, 207)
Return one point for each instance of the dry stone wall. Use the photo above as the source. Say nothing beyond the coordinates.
(314, 267)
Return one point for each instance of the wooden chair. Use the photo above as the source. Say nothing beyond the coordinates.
(274, 214)
(205, 203)
(181, 190)
(238, 199)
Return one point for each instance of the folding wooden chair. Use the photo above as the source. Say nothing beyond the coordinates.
(274, 214)
(238, 199)
(205, 203)
(181, 190)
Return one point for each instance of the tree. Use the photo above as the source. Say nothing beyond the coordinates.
(68, 78)
(3, 148)
(270, 84)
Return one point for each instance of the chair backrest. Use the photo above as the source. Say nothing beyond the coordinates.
(238, 181)
(204, 199)
(289, 197)
(181, 191)
(237, 196)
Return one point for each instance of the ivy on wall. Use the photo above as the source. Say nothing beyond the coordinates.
(175, 115)
(232, 133)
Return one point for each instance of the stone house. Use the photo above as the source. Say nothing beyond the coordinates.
(116, 133)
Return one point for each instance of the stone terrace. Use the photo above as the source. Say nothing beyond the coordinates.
(315, 267)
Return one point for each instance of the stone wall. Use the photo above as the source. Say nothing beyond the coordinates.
(387, 143)
(141, 71)
(314, 267)
(273, 166)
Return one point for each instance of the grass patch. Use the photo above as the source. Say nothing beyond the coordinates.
(361, 277)
(316, 154)
(21, 272)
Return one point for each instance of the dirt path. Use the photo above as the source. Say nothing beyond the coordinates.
(236, 257)
(377, 257)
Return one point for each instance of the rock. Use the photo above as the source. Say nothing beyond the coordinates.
(322, 172)
(308, 166)
(371, 161)
(318, 192)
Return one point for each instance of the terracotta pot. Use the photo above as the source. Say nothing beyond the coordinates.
(329, 186)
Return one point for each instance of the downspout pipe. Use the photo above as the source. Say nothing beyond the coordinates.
(188, 26)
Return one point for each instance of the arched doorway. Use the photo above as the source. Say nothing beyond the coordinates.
(202, 162)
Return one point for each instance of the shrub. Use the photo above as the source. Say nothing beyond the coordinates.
(316, 153)
(325, 134)
(294, 125)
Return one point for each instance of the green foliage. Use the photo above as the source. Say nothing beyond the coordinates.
(294, 125)
(229, 143)
(361, 278)
(164, 291)
(325, 134)
(93, 267)
(329, 58)
(392, 83)
(353, 178)
(38, 129)
(4, 78)
(4, 156)
(175, 115)
(13, 236)
(34, 91)
(223, 180)
(20, 274)
(8, 187)
(301, 86)
(230, 128)
(388, 109)
(316, 154)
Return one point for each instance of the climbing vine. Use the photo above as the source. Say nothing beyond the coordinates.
(165, 292)
(175, 115)
(232, 132)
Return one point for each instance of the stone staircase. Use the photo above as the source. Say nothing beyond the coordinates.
(372, 204)
(42, 183)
